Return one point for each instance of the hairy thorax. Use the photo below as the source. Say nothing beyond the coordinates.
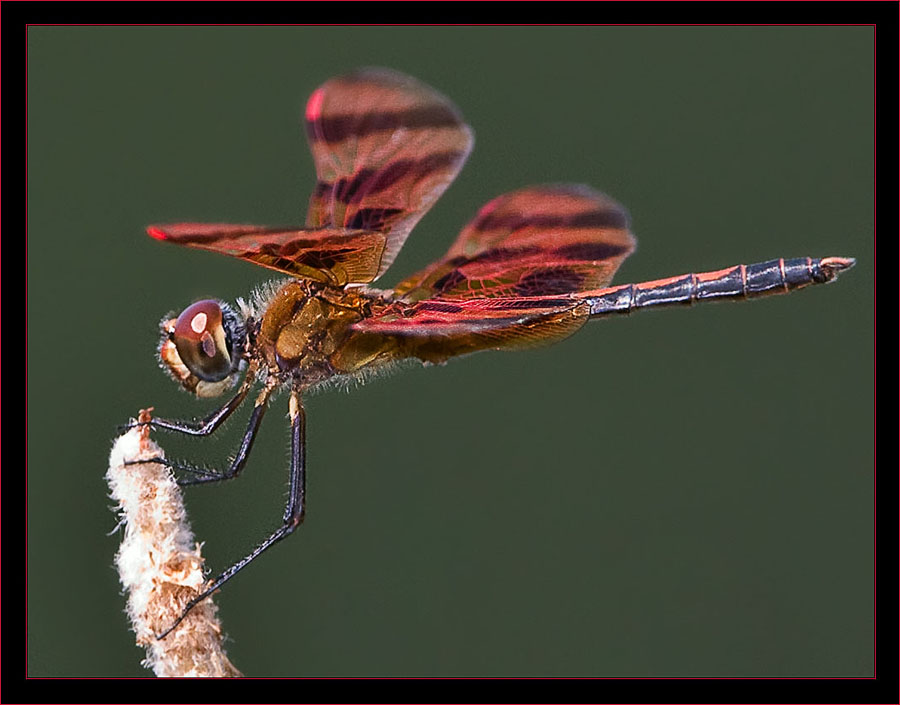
(306, 334)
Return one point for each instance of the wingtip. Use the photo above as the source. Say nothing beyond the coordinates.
(314, 105)
(156, 232)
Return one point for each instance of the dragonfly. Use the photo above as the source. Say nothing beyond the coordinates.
(531, 268)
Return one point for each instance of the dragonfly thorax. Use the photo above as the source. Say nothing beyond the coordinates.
(302, 327)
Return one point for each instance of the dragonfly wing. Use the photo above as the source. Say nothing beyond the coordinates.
(437, 329)
(385, 148)
(331, 255)
(541, 240)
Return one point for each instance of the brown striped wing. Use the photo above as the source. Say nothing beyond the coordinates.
(514, 278)
(437, 329)
(330, 255)
(385, 148)
(541, 240)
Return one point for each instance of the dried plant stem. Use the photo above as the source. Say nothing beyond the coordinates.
(160, 564)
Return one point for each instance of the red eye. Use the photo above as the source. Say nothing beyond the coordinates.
(201, 341)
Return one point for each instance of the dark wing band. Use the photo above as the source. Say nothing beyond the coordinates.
(333, 256)
(437, 329)
(542, 240)
(385, 147)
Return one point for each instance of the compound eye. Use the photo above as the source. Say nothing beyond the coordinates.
(202, 342)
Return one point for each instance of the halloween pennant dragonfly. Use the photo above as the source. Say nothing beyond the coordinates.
(532, 267)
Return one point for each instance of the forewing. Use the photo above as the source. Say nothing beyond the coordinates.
(331, 255)
(541, 240)
(385, 148)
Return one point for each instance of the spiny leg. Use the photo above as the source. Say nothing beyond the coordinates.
(240, 458)
(293, 511)
(206, 426)
(202, 474)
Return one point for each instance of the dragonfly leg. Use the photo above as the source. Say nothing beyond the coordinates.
(294, 510)
(205, 426)
(204, 474)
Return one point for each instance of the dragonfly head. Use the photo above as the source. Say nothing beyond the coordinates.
(202, 349)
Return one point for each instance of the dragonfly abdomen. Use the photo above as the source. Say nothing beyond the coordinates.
(745, 281)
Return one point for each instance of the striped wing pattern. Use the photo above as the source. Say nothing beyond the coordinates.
(385, 148)
(438, 329)
(542, 240)
(515, 277)
(333, 256)
(442, 317)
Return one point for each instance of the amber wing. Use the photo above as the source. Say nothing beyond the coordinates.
(556, 239)
(514, 277)
(385, 147)
(330, 255)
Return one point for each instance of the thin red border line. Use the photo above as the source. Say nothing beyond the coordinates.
(875, 353)
(463, 25)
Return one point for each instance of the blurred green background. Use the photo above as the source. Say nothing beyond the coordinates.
(679, 493)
